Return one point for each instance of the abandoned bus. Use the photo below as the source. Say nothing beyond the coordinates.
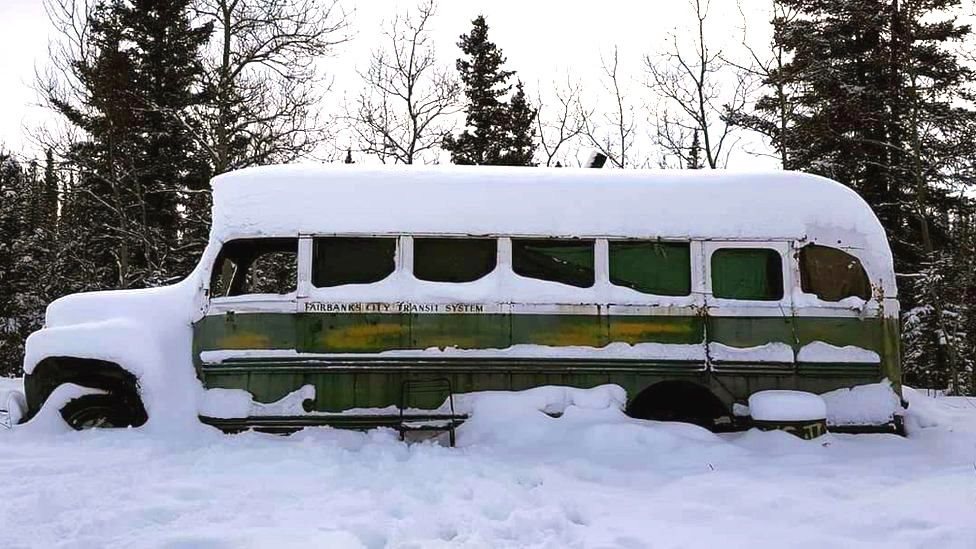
(364, 289)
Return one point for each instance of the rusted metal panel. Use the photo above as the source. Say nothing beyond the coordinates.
(463, 331)
(352, 333)
(370, 382)
(657, 329)
(560, 330)
(245, 331)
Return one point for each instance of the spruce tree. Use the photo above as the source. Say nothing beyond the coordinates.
(11, 189)
(880, 102)
(27, 249)
(168, 69)
(521, 143)
(694, 153)
(140, 156)
(499, 131)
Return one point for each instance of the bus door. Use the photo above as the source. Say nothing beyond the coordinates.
(250, 315)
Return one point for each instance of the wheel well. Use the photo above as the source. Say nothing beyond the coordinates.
(678, 400)
(86, 372)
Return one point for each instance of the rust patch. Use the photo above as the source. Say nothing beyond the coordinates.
(453, 340)
(643, 331)
(586, 335)
(360, 335)
(244, 340)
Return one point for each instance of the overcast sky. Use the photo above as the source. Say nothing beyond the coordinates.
(542, 39)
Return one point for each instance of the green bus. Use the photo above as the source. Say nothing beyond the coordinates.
(373, 294)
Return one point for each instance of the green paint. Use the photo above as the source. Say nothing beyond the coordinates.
(747, 273)
(377, 381)
(658, 268)
(736, 331)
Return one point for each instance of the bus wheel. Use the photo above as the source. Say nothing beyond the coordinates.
(101, 411)
(676, 400)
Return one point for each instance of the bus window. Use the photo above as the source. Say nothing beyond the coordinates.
(832, 274)
(453, 259)
(564, 261)
(747, 273)
(255, 266)
(659, 268)
(356, 260)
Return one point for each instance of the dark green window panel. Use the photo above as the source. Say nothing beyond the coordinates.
(453, 259)
(564, 261)
(659, 268)
(832, 274)
(747, 273)
(338, 261)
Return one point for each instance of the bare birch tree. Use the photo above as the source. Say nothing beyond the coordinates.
(772, 113)
(559, 124)
(612, 131)
(697, 92)
(404, 111)
(263, 80)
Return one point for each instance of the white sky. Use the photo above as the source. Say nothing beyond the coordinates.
(543, 40)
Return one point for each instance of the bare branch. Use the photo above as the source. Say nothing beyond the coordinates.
(697, 92)
(405, 110)
(612, 132)
(561, 125)
(262, 78)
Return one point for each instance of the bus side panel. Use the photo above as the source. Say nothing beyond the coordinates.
(373, 383)
(744, 331)
(352, 333)
(682, 330)
(250, 331)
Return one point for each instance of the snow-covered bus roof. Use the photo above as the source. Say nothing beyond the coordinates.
(481, 200)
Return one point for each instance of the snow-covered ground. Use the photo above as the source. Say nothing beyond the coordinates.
(591, 478)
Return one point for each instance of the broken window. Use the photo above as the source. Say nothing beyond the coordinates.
(747, 273)
(352, 260)
(659, 268)
(832, 274)
(564, 261)
(453, 259)
(255, 266)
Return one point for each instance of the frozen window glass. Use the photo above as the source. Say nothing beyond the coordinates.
(256, 266)
(832, 274)
(453, 259)
(352, 260)
(747, 273)
(659, 268)
(564, 261)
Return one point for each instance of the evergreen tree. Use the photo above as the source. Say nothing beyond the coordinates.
(141, 157)
(499, 131)
(11, 189)
(27, 247)
(694, 153)
(172, 166)
(50, 192)
(520, 134)
(880, 101)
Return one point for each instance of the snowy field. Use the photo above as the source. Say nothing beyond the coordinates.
(592, 478)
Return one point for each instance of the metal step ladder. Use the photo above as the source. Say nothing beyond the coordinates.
(434, 422)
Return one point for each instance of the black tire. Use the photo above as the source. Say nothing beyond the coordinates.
(101, 411)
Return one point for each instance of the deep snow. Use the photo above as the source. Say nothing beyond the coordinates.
(519, 478)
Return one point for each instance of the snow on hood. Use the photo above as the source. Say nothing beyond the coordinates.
(170, 302)
(147, 332)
